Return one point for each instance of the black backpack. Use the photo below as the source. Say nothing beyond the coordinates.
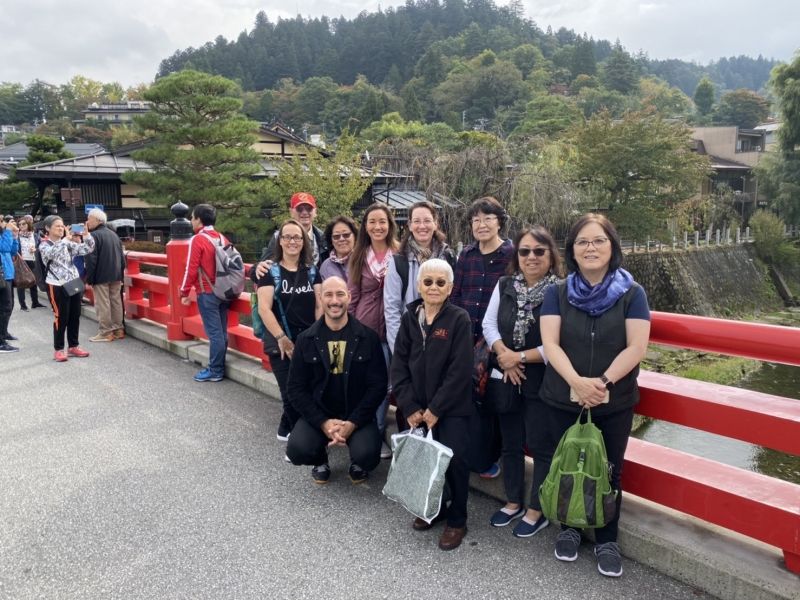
(39, 268)
(401, 266)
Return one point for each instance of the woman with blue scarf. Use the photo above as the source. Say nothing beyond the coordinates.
(595, 327)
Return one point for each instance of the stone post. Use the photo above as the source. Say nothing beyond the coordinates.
(738, 235)
(747, 234)
(180, 232)
(717, 237)
(685, 240)
(696, 239)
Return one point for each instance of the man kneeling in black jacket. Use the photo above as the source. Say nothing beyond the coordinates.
(337, 380)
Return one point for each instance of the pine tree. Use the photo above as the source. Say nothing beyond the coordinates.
(620, 72)
(704, 96)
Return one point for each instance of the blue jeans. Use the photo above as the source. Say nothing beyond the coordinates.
(214, 313)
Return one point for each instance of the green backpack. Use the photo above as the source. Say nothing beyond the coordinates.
(577, 491)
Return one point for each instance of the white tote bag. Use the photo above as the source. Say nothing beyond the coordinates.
(416, 475)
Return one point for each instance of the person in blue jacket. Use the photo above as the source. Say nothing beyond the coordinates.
(9, 246)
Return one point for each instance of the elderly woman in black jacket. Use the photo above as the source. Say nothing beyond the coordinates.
(431, 376)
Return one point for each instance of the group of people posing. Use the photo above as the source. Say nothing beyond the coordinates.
(69, 257)
(354, 316)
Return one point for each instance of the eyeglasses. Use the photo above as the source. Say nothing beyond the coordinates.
(304, 208)
(524, 252)
(597, 242)
(429, 281)
(423, 222)
(292, 238)
(484, 220)
(341, 236)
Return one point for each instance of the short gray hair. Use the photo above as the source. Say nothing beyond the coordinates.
(436, 265)
(98, 214)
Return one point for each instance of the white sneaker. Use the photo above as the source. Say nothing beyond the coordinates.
(386, 452)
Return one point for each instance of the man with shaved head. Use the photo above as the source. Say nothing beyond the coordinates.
(337, 379)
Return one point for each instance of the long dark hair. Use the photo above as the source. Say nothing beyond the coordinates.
(543, 236)
(438, 234)
(305, 252)
(611, 232)
(363, 242)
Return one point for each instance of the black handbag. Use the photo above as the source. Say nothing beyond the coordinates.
(503, 397)
(74, 286)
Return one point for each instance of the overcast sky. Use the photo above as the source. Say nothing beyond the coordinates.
(121, 41)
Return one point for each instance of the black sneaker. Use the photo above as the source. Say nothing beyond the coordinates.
(357, 474)
(321, 474)
(609, 560)
(567, 543)
(5, 347)
(12, 338)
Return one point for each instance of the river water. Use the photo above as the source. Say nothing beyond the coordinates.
(780, 380)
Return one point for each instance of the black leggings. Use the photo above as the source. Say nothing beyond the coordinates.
(66, 316)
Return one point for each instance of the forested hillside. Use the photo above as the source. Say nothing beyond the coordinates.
(386, 47)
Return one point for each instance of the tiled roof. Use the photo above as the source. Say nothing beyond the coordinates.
(19, 151)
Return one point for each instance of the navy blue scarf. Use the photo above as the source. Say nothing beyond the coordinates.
(597, 299)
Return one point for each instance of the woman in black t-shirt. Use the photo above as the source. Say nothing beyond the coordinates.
(289, 307)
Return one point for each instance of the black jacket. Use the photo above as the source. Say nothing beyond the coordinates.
(365, 377)
(592, 344)
(436, 372)
(107, 263)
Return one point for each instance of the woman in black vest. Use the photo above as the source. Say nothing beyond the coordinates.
(595, 327)
(511, 329)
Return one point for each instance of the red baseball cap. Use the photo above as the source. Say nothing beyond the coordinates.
(302, 198)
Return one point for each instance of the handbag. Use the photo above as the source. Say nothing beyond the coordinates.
(74, 286)
(480, 367)
(577, 490)
(503, 397)
(416, 475)
(23, 276)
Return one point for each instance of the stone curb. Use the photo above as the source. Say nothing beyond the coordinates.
(719, 562)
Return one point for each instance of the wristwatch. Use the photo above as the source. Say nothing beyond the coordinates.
(607, 382)
(522, 358)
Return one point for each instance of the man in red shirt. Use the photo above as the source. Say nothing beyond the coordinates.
(200, 274)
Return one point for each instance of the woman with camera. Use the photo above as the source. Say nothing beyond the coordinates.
(64, 285)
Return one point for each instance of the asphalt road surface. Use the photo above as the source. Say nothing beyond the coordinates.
(120, 477)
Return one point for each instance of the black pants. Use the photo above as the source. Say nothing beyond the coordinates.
(512, 432)
(538, 439)
(290, 416)
(453, 432)
(34, 290)
(6, 308)
(615, 428)
(309, 446)
(66, 316)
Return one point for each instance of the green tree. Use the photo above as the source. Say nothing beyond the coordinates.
(583, 60)
(767, 230)
(202, 147)
(743, 108)
(669, 101)
(620, 72)
(43, 149)
(704, 96)
(779, 172)
(337, 181)
(639, 167)
(14, 109)
(548, 115)
(412, 109)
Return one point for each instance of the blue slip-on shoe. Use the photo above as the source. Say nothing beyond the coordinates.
(523, 529)
(491, 472)
(206, 375)
(502, 518)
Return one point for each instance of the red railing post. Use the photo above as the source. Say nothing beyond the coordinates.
(177, 253)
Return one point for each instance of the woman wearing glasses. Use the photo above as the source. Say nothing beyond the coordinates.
(511, 329)
(431, 379)
(422, 240)
(341, 237)
(376, 243)
(289, 303)
(479, 267)
(595, 327)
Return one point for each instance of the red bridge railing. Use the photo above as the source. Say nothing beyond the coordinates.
(752, 504)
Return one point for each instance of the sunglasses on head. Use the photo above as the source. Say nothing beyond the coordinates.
(341, 236)
(428, 282)
(524, 252)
